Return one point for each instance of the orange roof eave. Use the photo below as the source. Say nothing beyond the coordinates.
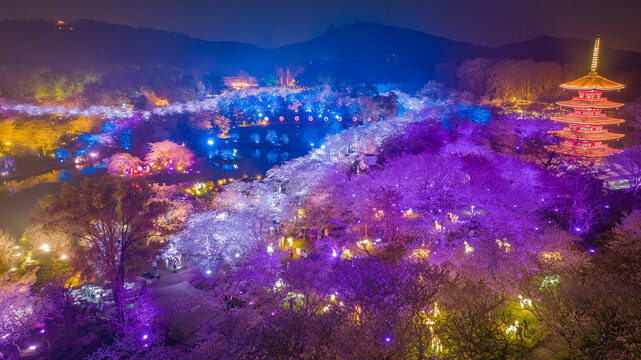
(587, 104)
(592, 81)
(586, 136)
(588, 120)
(590, 154)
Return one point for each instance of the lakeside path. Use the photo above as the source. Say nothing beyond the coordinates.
(171, 292)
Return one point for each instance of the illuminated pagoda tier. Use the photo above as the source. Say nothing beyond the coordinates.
(585, 136)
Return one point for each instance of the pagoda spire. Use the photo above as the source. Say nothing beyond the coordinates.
(595, 55)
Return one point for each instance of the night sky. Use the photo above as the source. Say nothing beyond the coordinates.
(271, 23)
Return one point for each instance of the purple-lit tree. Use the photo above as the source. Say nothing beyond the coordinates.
(627, 165)
(20, 310)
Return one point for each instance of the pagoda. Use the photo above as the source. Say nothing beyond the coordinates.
(584, 137)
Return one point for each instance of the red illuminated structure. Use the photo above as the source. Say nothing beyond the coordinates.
(585, 135)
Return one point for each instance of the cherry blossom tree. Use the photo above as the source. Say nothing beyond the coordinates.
(169, 154)
(20, 311)
(120, 163)
(213, 237)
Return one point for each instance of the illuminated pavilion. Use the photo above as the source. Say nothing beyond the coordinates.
(584, 138)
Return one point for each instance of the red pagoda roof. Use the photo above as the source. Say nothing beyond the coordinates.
(585, 103)
(587, 119)
(586, 136)
(583, 152)
(592, 81)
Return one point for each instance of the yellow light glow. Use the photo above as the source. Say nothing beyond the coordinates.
(421, 253)
(438, 226)
(551, 256)
(468, 248)
(452, 217)
(410, 214)
(364, 243)
(503, 245)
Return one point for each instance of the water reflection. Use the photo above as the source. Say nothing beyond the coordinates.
(14, 186)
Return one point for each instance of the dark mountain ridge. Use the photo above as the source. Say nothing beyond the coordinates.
(361, 51)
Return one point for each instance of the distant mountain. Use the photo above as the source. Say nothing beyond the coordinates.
(374, 51)
(91, 44)
(360, 51)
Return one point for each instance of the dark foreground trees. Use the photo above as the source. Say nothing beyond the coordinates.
(113, 221)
